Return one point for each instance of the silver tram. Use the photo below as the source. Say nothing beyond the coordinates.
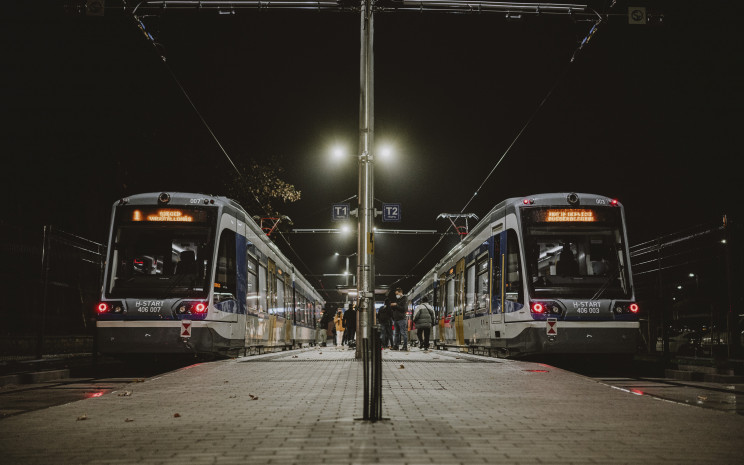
(193, 273)
(547, 273)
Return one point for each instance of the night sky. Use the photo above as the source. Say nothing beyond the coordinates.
(648, 114)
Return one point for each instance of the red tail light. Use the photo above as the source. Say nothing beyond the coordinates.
(102, 307)
(201, 307)
(613, 202)
(633, 308)
(537, 307)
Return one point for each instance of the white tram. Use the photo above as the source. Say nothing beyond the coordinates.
(547, 273)
(193, 273)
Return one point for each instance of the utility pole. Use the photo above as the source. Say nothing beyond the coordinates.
(366, 239)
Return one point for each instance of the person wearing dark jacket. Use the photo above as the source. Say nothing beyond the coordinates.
(399, 303)
(326, 321)
(423, 318)
(350, 317)
(385, 318)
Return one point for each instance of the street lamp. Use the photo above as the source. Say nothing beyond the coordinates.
(385, 152)
(346, 273)
(339, 152)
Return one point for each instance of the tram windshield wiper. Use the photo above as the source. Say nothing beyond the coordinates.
(606, 284)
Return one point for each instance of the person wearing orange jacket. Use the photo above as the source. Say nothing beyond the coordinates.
(338, 320)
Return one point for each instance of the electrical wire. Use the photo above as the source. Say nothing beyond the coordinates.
(560, 77)
(151, 39)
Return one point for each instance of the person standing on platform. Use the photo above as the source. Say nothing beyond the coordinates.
(385, 318)
(350, 321)
(399, 304)
(338, 320)
(423, 318)
(326, 322)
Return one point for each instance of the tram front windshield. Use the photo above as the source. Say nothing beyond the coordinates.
(160, 253)
(576, 253)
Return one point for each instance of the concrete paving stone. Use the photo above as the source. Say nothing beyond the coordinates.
(459, 409)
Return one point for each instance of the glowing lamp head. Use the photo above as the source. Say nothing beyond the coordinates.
(102, 307)
(537, 307)
(634, 308)
(614, 202)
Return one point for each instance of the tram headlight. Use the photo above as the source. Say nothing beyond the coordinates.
(110, 307)
(548, 307)
(192, 308)
(626, 308)
(200, 307)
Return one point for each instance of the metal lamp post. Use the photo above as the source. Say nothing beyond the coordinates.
(368, 350)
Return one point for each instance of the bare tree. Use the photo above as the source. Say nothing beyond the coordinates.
(259, 186)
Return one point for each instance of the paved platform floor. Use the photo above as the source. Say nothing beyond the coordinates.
(300, 407)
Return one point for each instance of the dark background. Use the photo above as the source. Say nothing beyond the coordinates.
(647, 114)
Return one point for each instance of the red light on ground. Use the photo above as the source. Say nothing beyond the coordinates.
(637, 392)
(538, 307)
(538, 371)
(102, 307)
(90, 395)
(634, 308)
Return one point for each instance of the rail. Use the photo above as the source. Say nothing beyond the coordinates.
(474, 349)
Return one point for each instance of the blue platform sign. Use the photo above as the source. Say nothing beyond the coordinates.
(340, 211)
(391, 212)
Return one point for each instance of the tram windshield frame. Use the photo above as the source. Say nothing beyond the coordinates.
(161, 259)
(581, 257)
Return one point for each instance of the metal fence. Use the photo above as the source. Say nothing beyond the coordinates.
(51, 281)
(685, 286)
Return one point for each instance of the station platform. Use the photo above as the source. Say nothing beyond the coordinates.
(302, 407)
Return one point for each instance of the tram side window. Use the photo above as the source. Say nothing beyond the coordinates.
(262, 290)
(483, 283)
(251, 298)
(470, 300)
(225, 280)
(440, 296)
(280, 297)
(430, 295)
(450, 304)
(513, 269)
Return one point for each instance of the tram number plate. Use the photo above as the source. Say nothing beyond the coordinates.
(552, 326)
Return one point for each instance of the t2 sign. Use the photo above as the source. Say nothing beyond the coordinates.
(391, 212)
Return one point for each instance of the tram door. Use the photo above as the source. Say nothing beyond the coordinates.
(460, 301)
(441, 305)
(498, 261)
(271, 288)
(289, 308)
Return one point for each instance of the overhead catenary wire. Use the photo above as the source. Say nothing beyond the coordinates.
(151, 39)
(456, 7)
(532, 116)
